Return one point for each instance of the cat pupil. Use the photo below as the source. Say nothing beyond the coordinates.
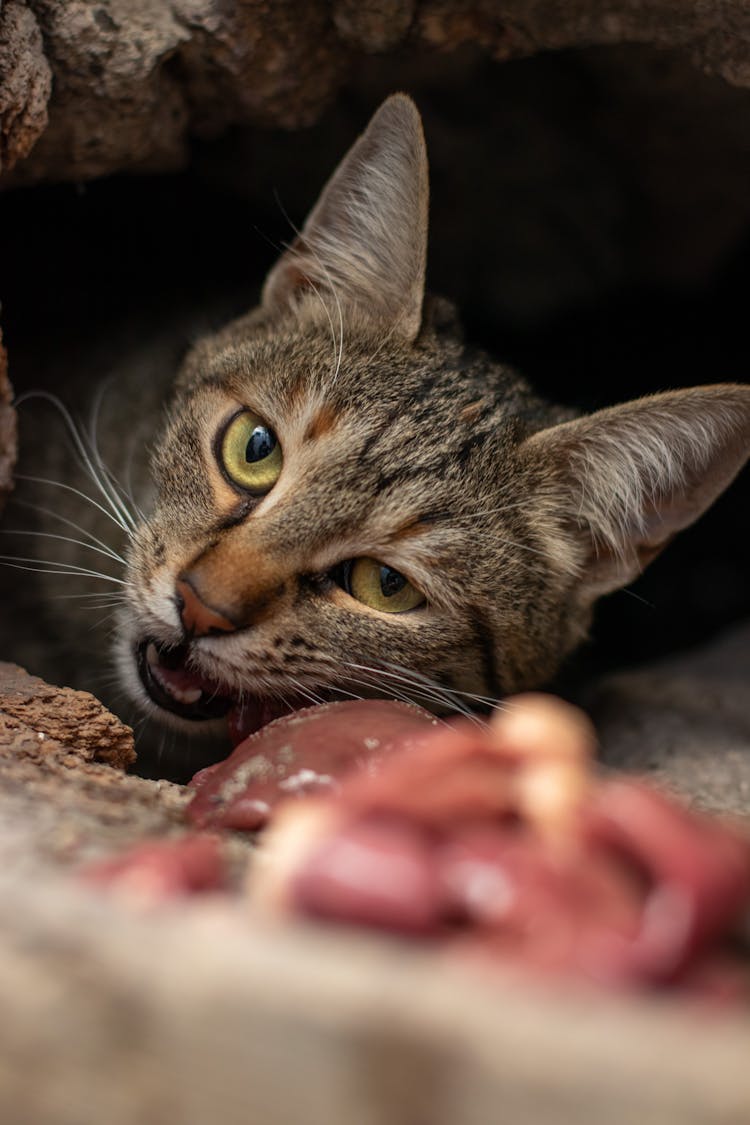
(391, 582)
(261, 444)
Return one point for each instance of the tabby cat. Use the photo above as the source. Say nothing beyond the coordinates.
(349, 501)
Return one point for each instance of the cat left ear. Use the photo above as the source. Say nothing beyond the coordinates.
(365, 242)
(632, 476)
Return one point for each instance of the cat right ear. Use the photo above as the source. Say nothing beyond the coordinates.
(628, 478)
(364, 244)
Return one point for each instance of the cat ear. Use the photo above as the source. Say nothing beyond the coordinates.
(632, 476)
(365, 242)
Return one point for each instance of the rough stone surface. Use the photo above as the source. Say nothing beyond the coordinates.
(684, 723)
(53, 719)
(201, 1014)
(132, 82)
(61, 800)
(7, 428)
(25, 82)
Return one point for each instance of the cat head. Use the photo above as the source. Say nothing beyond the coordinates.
(349, 501)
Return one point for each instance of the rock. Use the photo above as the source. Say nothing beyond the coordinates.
(61, 800)
(684, 722)
(60, 717)
(132, 83)
(25, 83)
(94, 88)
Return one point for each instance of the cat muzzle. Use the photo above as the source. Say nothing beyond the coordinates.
(173, 685)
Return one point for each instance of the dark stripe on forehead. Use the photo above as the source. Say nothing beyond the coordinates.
(416, 395)
(380, 433)
(441, 465)
(435, 470)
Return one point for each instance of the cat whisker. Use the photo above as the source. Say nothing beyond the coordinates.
(423, 686)
(138, 730)
(65, 539)
(349, 694)
(53, 567)
(389, 692)
(129, 478)
(104, 605)
(488, 512)
(418, 692)
(117, 509)
(334, 341)
(101, 621)
(112, 598)
(386, 337)
(306, 693)
(77, 492)
(119, 494)
(522, 547)
(484, 700)
(68, 522)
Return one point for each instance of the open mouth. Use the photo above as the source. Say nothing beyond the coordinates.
(176, 687)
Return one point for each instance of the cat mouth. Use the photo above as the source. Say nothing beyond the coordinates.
(174, 686)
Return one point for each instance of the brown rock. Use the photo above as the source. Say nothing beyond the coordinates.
(133, 82)
(60, 799)
(53, 718)
(25, 83)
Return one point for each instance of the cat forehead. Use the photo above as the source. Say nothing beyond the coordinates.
(375, 437)
(290, 367)
(297, 370)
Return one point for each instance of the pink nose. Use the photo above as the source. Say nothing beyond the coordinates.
(199, 619)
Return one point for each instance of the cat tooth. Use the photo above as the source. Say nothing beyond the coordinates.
(187, 695)
(152, 656)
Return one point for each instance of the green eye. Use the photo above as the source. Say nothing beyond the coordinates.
(250, 453)
(379, 586)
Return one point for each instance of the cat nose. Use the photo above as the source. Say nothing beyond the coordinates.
(199, 619)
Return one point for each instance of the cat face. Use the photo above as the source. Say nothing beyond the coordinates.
(350, 502)
(374, 560)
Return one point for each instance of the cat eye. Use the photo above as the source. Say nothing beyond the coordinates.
(378, 586)
(250, 454)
